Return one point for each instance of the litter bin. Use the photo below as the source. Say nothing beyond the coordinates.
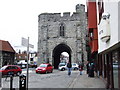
(22, 82)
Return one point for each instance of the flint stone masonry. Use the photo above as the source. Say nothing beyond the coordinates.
(74, 34)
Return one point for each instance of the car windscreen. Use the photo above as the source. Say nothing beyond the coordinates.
(74, 64)
(61, 64)
(43, 65)
(3, 68)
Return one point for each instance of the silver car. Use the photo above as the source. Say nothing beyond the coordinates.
(62, 66)
(75, 66)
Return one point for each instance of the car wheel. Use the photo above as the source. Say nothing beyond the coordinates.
(51, 71)
(63, 69)
(18, 73)
(46, 72)
(75, 68)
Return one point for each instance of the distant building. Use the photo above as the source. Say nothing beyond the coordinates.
(7, 53)
(20, 56)
(57, 34)
(33, 58)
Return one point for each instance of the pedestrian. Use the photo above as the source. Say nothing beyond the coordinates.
(87, 66)
(91, 69)
(80, 68)
(69, 66)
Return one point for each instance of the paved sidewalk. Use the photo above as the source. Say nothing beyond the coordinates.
(83, 81)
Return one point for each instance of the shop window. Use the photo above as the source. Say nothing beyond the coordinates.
(115, 69)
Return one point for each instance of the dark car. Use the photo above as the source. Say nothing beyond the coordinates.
(11, 70)
(44, 68)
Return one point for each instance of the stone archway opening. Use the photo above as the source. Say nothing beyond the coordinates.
(57, 53)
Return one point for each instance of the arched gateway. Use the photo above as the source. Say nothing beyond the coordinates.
(57, 34)
(57, 52)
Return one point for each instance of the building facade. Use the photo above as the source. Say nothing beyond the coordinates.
(20, 56)
(7, 53)
(57, 34)
(92, 30)
(108, 56)
(109, 42)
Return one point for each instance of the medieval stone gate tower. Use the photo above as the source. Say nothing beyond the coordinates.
(57, 34)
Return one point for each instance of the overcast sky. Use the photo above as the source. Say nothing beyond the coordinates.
(19, 18)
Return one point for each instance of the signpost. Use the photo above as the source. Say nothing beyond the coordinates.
(25, 42)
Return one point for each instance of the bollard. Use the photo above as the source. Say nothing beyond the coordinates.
(22, 82)
(11, 74)
(11, 82)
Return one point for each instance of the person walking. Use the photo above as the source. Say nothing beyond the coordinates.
(87, 66)
(69, 66)
(80, 68)
(91, 69)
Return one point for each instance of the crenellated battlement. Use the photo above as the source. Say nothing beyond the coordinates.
(80, 9)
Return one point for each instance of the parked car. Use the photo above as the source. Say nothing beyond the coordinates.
(44, 68)
(11, 70)
(62, 66)
(23, 64)
(75, 66)
(33, 65)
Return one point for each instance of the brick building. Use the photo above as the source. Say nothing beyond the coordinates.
(7, 53)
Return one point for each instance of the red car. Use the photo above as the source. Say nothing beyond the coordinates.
(44, 68)
(11, 70)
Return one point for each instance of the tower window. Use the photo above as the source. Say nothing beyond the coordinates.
(62, 30)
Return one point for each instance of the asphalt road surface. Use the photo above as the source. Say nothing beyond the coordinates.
(57, 79)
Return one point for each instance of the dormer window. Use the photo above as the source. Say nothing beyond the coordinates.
(62, 29)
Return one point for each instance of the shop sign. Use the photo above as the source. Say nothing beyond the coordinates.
(104, 30)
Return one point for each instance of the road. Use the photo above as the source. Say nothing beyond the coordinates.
(57, 79)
